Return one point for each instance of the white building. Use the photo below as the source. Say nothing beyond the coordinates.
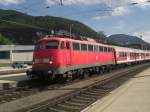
(16, 53)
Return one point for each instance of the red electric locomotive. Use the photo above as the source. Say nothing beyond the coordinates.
(64, 57)
(57, 57)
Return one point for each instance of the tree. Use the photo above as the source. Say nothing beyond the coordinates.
(4, 40)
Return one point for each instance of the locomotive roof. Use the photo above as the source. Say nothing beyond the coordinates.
(92, 42)
(73, 40)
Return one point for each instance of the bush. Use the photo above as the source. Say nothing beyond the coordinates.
(4, 40)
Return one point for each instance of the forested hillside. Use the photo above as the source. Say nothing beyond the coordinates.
(21, 28)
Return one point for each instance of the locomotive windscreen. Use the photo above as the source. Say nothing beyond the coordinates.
(51, 45)
(47, 45)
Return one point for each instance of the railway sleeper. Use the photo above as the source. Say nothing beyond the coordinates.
(101, 89)
(93, 94)
(88, 95)
(65, 108)
(52, 109)
(79, 101)
(97, 91)
(94, 91)
(84, 98)
(74, 103)
(69, 106)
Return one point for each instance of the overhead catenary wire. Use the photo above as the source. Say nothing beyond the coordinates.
(88, 11)
(38, 3)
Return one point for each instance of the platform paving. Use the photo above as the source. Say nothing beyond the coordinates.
(5, 84)
(11, 80)
(133, 96)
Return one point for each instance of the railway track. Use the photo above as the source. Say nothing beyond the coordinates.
(30, 87)
(81, 98)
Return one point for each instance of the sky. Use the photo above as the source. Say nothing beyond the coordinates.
(109, 16)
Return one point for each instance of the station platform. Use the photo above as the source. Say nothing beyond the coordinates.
(10, 77)
(133, 96)
(11, 80)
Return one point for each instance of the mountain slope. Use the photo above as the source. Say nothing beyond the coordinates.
(22, 28)
(127, 40)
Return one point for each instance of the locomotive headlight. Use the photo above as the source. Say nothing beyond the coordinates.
(51, 62)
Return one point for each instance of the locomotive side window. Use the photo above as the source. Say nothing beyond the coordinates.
(105, 49)
(96, 48)
(62, 45)
(100, 48)
(90, 47)
(83, 47)
(51, 45)
(67, 45)
(75, 46)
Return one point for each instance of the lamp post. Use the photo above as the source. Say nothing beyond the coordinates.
(141, 44)
(70, 30)
(61, 2)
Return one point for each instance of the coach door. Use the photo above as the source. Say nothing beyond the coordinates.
(68, 53)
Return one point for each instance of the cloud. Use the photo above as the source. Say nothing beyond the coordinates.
(7, 2)
(120, 11)
(136, 34)
(94, 2)
(120, 26)
(144, 35)
(120, 7)
(78, 2)
(100, 17)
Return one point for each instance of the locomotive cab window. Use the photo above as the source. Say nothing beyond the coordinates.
(37, 46)
(51, 45)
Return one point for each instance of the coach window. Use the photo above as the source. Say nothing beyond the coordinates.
(67, 45)
(76, 46)
(100, 48)
(125, 54)
(62, 45)
(90, 47)
(83, 47)
(109, 49)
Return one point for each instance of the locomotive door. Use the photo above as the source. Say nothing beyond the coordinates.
(68, 53)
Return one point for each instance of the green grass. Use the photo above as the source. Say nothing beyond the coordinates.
(4, 64)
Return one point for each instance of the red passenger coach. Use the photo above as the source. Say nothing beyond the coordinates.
(64, 57)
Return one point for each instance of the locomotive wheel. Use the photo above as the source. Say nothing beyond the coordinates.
(86, 74)
(100, 71)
